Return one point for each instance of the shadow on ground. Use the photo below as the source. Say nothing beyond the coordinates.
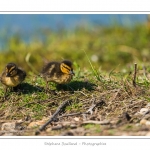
(76, 85)
(27, 88)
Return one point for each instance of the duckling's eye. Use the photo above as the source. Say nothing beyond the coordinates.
(11, 72)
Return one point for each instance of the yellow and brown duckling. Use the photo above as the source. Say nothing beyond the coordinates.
(12, 76)
(58, 72)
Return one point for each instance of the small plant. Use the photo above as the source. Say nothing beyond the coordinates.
(95, 72)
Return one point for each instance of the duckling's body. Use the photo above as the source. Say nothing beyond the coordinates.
(12, 76)
(58, 72)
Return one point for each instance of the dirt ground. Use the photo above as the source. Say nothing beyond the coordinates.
(111, 112)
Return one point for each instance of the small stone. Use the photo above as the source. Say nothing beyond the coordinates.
(143, 121)
(143, 111)
(73, 126)
(147, 123)
(8, 126)
(37, 123)
(32, 125)
(77, 119)
(148, 105)
(137, 124)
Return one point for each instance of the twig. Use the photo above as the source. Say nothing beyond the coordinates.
(135, 73)
(134, 104)
(54, 115)
(90, 110)
(104, 122)
(73, 114)
(81, 93)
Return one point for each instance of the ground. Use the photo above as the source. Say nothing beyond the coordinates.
(95, 104)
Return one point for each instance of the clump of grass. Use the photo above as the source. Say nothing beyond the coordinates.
(93, 69)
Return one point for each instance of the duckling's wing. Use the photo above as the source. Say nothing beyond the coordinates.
(22, 73)
(2, 76)
(50, 68)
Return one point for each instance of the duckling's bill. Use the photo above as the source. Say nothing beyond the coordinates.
(71, 73)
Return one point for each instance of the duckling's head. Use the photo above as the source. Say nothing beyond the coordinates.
(11, 69)
(66, 67)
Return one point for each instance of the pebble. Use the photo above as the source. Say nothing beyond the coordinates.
(77, 119)
(145, 122)
(37, 123)
(8, 126)
(148, 105)
(73, 126)
(143, 111)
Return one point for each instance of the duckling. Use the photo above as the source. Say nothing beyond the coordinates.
(58, 72)
(12, 76)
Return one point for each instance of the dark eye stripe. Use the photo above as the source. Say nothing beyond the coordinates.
(11, 69)
(66, 67)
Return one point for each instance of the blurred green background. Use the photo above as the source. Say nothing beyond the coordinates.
(110, 41)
